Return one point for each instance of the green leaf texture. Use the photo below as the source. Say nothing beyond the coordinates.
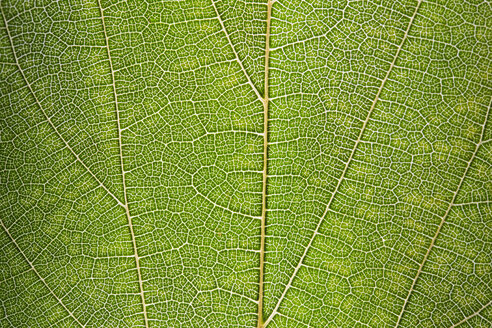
(245, 163)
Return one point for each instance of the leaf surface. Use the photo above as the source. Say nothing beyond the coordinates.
(259, 164)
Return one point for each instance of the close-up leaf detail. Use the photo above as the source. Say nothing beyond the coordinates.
(245, 163)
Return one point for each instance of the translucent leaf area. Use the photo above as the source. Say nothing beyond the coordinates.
(237, 163)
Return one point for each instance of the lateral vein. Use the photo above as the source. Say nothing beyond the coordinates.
(448, 210)
(250, 82)
(342, 176)
(127, 209)
(471, 315)
(48, 119)
(39, 275)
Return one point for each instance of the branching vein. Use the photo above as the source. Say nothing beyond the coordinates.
(471, 315)
(48, 119)
(127, 209)
(39, 275)
(250, 82)
(359, 138)
(448, 210)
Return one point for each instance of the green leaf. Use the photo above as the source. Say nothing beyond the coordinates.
(222, 163)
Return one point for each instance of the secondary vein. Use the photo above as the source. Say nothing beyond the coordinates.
(48, 119)
(471, 315)
(342, 176)
(127, 209)
(250, 82)
(39, 275)
(448, 210)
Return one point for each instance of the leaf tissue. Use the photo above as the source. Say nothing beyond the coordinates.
(245, 163)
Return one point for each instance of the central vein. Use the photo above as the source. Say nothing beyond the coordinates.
(265, 161)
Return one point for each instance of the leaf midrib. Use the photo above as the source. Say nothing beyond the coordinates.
(265, 101)
(260, 321)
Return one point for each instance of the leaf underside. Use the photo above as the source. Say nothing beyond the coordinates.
(161, 163)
